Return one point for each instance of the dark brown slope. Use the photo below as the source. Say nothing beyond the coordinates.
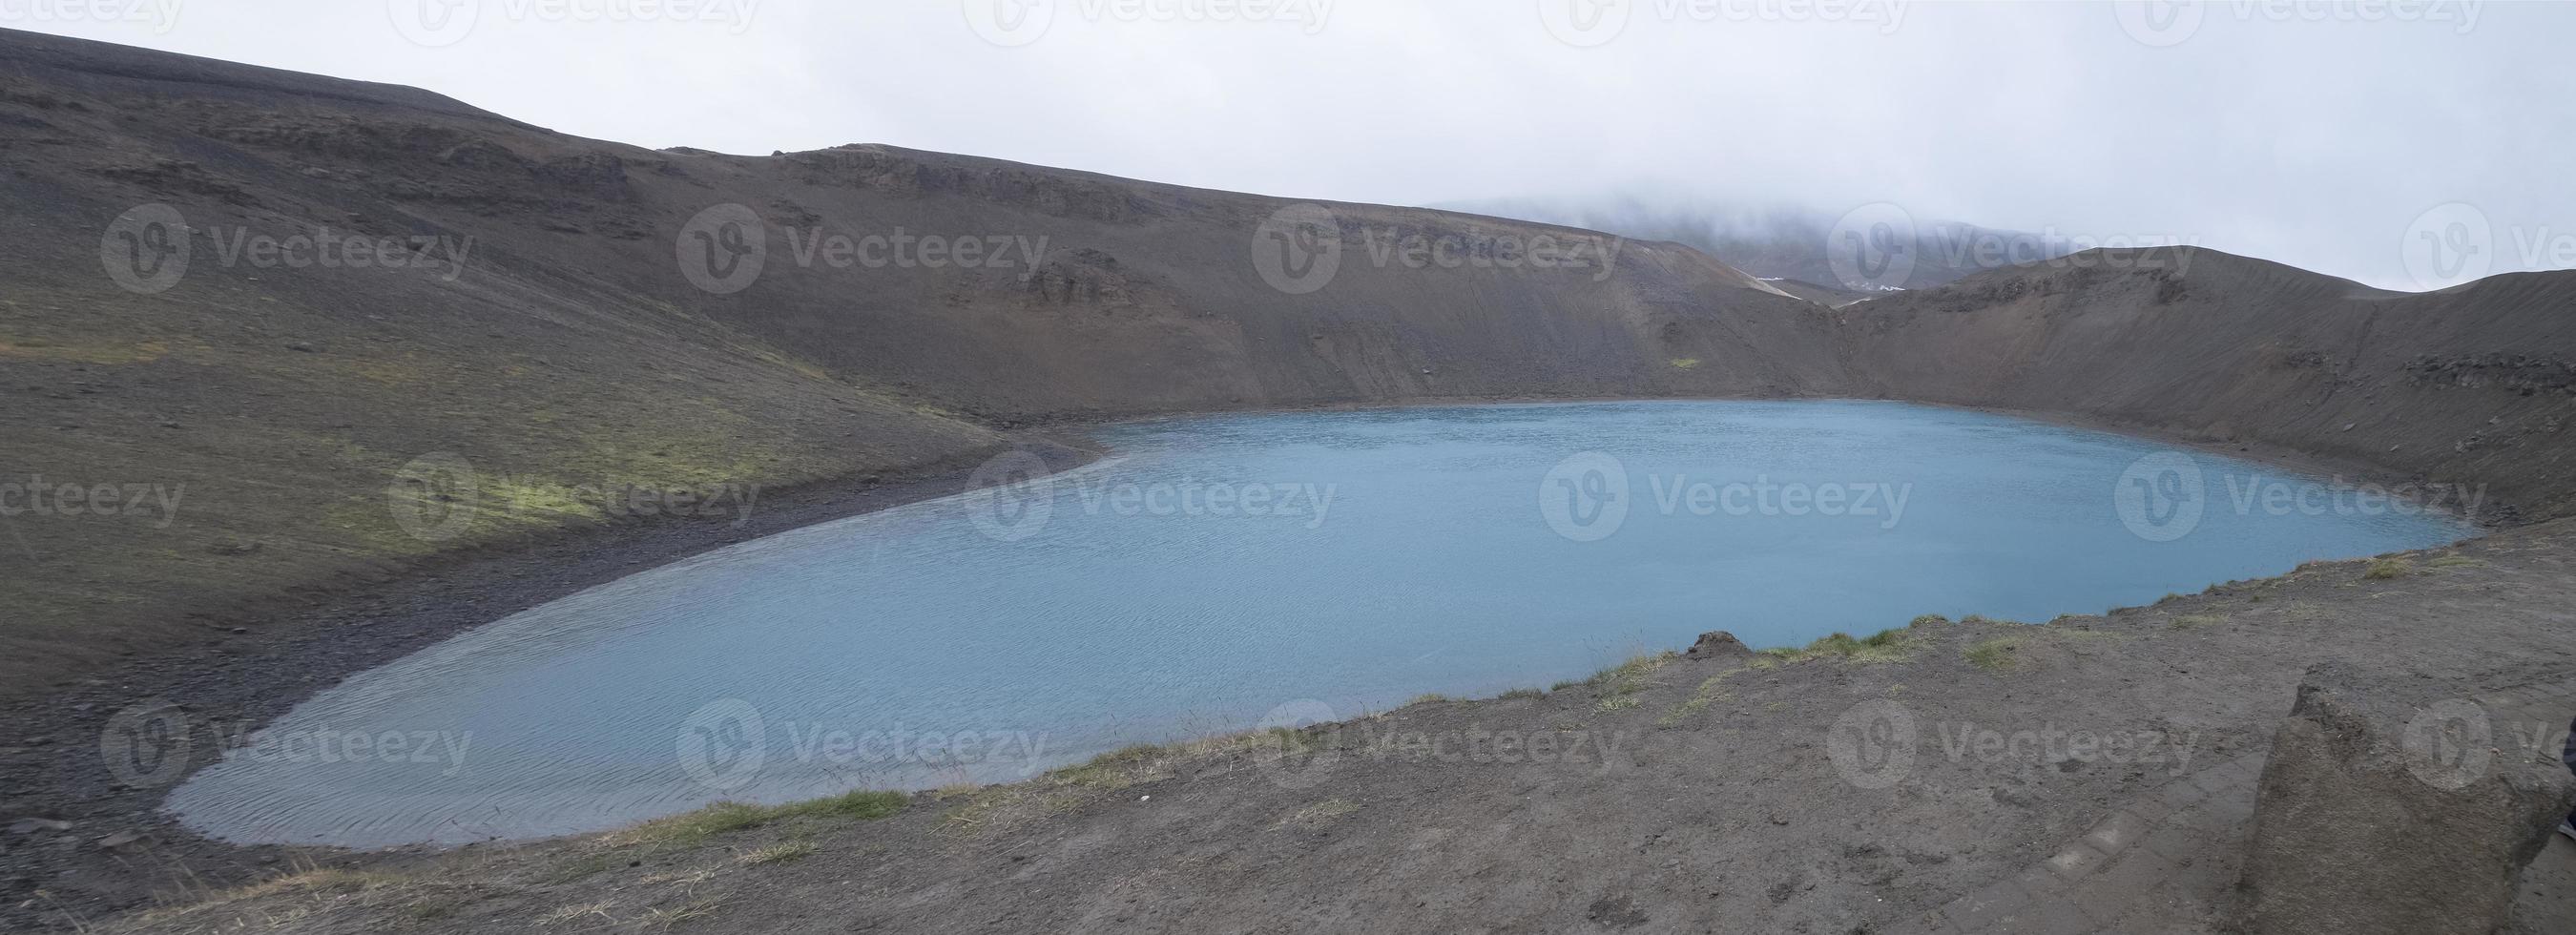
(282, 404)
(2474, 384)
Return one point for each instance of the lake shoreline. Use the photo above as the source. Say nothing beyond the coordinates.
(360, 629)
(51, 740)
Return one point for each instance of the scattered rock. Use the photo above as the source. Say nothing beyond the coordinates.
(124, 840)
(2384, 808)
(1718, 644)
(33, 825)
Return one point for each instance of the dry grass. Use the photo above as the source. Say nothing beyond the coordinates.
(728, 817)
(1617, 686)
(1999, 654)
(1710, 691)
(583, 913)
(275, 902)
(693, 910)
(2387, 568)
(1325, 810)
(1881, 647)
(997, 807)
(779, 853)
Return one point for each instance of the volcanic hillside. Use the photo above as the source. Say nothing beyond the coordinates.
(289, 405)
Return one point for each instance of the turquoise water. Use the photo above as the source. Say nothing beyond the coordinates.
(1224, 572)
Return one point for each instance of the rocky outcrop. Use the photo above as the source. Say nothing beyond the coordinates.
(2384, 808)
(1718, 644)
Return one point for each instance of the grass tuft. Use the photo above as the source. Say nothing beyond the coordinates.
(2386, 568)
(1617, 686)
(1882, 646)
(1711, 690)
(1321, 811)
(729, 817)
(780, 853)
(1996, 655)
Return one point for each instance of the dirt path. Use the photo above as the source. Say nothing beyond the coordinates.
(51, 756)
(2091, 774)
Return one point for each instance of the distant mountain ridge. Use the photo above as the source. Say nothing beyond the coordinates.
(1841, 256)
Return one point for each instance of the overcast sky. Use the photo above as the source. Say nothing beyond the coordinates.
(2403, 144)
